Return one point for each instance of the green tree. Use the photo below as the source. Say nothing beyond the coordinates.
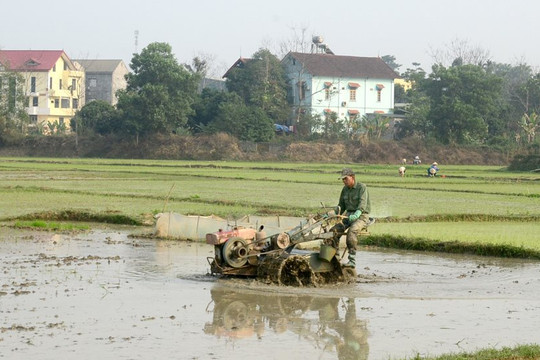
(527, 95)
(465, 102)
(400, 95)
(416, 122)
(207, 108)
(333, 127)
(308, 123)
(159, 94)
(13, 102)
(373, 126)
(529, 124)
(415, 74)
(390, 60)
(262, 83)
(245, 122)
(98, 117)
(515, 93)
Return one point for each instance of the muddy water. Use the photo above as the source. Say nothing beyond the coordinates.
(104, 295)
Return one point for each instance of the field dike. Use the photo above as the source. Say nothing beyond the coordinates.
(385, 241)
(80, 216)
(453, 247)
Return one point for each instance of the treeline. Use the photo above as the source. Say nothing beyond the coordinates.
(162, 98)
(482, 103)
(465, 103)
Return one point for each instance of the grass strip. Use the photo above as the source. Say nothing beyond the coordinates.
(453, 247)
(520, 352)
(49, 226)
(461, 217)
(77, 215)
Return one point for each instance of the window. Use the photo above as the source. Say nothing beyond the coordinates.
(352, 90)
(60, 84)
(65, 103)
(75, 103)
(56, 103)
(54, 68)
(61, 121)
(33, 119)
(35, 101)
(379, 88)
(327, 86)
(33, 84)
(50, 83)
(73, 85)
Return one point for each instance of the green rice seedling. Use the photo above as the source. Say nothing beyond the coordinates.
(43, 225)
(519, 352)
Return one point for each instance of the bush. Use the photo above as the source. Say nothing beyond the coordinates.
(528, 162)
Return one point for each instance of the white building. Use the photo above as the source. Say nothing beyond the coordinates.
(346, 85)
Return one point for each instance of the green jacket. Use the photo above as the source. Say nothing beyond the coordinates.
(355, 198)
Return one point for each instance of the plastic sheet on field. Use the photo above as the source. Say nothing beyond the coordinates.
(195, 227)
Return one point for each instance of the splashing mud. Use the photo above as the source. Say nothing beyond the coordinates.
(104, 294)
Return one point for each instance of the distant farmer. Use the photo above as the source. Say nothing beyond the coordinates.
(402, 171)
(353, 203)
(417, 160)
(432, 170)
(403, 161)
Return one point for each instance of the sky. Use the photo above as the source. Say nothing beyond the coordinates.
(221, 31)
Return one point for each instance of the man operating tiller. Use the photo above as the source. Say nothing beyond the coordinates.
(355, 205)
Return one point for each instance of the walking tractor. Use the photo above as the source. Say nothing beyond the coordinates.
(249, 252)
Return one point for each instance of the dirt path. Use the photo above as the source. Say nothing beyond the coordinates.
(105, 295)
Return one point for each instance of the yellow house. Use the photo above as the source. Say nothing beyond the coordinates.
(53, 85)
(406, 84)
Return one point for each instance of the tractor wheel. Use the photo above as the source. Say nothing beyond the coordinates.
(284, 269)
(235, 252)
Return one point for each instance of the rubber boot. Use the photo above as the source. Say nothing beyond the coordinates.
(352, 261)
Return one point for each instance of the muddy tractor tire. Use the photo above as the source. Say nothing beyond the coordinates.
(286, 269)
(301, 270)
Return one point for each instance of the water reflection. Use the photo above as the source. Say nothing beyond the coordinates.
(330, 323)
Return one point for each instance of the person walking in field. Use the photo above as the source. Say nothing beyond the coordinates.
(354, 203)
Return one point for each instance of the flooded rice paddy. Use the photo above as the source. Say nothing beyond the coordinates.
(105, 295)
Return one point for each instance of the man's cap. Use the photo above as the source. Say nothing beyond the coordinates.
(346, 172)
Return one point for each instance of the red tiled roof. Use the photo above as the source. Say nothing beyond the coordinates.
(345, 66)
(353, 112)
(354, 85)
(34, 60)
